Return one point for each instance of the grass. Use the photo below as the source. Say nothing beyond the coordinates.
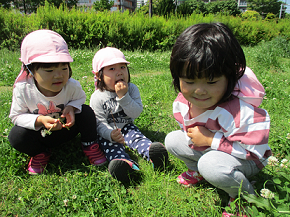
(72, 187)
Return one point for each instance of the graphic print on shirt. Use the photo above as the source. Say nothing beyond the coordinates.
(109, 108)
(52, 111)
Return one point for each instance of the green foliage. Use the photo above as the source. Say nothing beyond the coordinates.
(263, 7)
(103, 5)
(127, 31)
(251, 15)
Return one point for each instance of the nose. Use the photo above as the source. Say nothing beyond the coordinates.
(200, 91)
(58, 74)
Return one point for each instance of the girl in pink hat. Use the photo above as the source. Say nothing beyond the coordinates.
(48, 105)
(116, 103)
(224, 135)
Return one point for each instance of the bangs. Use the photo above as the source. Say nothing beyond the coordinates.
(202, 68)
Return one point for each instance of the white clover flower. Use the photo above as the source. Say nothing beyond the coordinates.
(65, 202)
(288, 136)
(284, 161)
(74, 197)
(272, 161)
(266, 193)
(283, 166)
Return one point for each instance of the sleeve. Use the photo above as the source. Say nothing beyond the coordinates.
(103, 127)
(131, 103)
(19, 112)
(245, 134)
(77, 95)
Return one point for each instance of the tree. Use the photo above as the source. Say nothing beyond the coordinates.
(30, 6)
(165, 7)
(229, 7)
(263, 7)
(5, 3)
(103, 5)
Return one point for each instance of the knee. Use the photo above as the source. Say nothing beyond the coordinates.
(169, 142)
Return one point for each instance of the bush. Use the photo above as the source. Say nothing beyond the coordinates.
(136, 31)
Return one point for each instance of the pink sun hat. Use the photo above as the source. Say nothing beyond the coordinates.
(44, 46)
(106, 57)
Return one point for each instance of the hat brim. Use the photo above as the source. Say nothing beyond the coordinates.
(65, 58)
(115, 61)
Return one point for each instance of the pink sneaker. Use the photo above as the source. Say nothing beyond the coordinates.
(95, 154)
(226, 214)
(38, 163)
(188, 178)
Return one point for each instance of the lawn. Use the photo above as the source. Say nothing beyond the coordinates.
(70, 186)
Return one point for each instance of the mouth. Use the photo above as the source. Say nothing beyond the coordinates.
(120, 80)
(201, 100)
(57, 83)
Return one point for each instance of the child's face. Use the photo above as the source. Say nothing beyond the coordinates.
(203, 93)
(50, 81)
(114, 74)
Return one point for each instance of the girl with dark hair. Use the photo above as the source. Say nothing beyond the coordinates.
(224, 135)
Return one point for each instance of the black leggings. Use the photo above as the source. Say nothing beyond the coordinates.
(32, 143)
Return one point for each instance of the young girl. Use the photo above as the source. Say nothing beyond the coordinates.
(116, 102)
(44, 95)
(224, 136)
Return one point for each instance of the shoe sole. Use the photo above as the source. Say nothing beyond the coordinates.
(121, 170)
(159, 155)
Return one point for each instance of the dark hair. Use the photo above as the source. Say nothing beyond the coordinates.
(207, 50)
(35, 66)
(100, 80)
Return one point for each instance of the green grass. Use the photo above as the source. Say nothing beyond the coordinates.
(72, 187)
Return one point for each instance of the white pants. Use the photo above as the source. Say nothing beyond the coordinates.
(220, 169)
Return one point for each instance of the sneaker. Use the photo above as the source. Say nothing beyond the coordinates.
(95, 154)
(188, 179)
(122, 169)
(158, 155)
(237, 213)
(38, 163)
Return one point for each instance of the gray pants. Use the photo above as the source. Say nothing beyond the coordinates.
(220, 169)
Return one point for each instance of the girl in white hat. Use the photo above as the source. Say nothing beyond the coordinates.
(48, 105)
(116, 103)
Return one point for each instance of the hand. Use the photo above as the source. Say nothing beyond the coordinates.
(69, 114)
(121, 88)
(48, 122)
(200, 136)
(117, 136)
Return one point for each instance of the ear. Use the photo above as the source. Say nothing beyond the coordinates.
(97, 74)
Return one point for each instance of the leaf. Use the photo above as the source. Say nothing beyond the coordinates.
(258, 201)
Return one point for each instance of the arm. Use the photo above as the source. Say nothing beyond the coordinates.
(243, 134)
(103, 127)
(77, 95)
(19, 111)
(131, 102)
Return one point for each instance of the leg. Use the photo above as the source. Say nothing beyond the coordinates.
(121, 167)
(176, 144)
(227, 172)
(86, 124)
(155, 151)
(32, 143)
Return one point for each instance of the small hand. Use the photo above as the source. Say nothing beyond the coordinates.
(117, 136)
(121, 88)
(69, 114)
(200, 136)
(48, 122)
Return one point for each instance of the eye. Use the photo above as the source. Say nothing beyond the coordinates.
(48, 70)
(212, 82)
(112, 69)
(64, 68)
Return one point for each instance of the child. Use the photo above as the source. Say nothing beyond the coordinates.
(116, 102)
(224, 136)
(44, 94)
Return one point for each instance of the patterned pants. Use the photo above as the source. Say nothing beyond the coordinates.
(134, 139)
